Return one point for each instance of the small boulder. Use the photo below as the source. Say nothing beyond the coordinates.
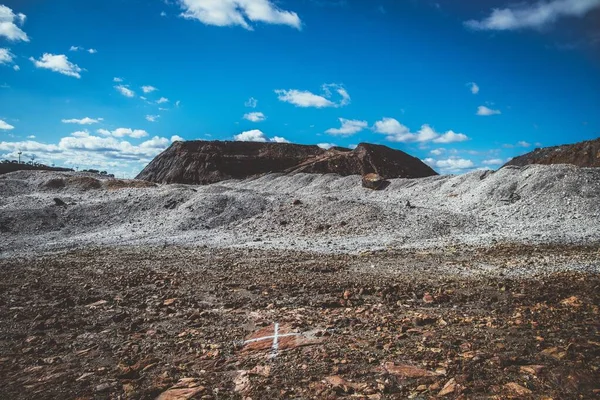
(374, 182)
(59, 202)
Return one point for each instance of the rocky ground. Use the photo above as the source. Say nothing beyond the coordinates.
(49, 211)
(504, 321)
(483, 285)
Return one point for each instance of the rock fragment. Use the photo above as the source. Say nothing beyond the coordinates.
(374, 182)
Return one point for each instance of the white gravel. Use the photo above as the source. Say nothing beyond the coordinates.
(533, 204)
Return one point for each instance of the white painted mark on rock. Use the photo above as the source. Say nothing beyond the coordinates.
(275, 337)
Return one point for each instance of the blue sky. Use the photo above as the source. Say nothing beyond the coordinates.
(462, 85)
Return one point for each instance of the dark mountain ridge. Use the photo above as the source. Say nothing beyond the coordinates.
(582, 154)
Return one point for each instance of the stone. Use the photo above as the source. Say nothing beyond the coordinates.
(180, 394)
(373, 181)
(168, 302)
(517, 389)
(428, 298)
(572, 301)
(531, 369)
(449, 388)
(97, 304)
(59, 202)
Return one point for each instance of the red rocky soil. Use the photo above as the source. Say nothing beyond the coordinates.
(175, 323)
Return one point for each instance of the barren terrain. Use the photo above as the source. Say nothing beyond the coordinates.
(483, 286)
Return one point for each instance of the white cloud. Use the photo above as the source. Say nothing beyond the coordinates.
(326, 146)
(177, 138)
(390, 126)
(255, 135)
(115, 79)
(305, 98)
(437, 152)
(80, 134)
(5, 126)
(452, 164)
(251, 102)
(485, 111)
(396, 132)
(255, 116)
(474, 87)
(162, 100)
(87, 151)
(125, 91)
(122, 132)
(57, 63)
(279, 139)
(163, 14)
(83, 121)
(523, 143)
(6, 57)
(451, 137)
(16, 68)
(177, 103)
(533, 16)
(155, 143)
(31, 137)
(494, 161)
(78, 48)
(148, 89)
(8, 25)
(349, 127)
(238, 12)
(152, 118)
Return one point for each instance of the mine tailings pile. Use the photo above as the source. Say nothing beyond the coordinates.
(205, 162)
(582, 154)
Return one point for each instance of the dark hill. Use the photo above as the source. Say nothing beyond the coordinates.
(202, 162)
(582, 154)
(6, 167)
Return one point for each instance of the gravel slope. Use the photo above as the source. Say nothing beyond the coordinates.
(534, 204)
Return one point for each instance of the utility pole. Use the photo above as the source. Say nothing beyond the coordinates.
(19, 153)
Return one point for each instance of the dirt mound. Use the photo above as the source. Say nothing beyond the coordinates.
(84, 183)
(201, 162)
(54, 183)
(116, 184)
(582, 154)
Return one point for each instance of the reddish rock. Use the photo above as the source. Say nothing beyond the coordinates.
(180, 394)
(450, 387)
(374, 181)
(517, 389)
(286, 339)
(428, 298)
(202, 162)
